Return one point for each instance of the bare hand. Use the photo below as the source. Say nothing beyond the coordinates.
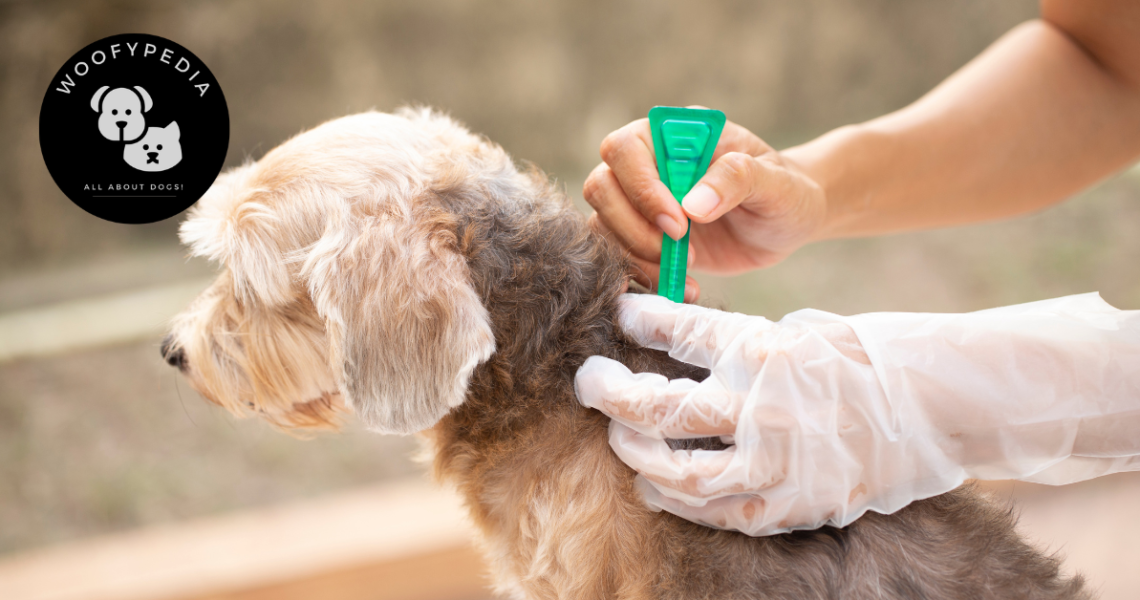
(752, 208)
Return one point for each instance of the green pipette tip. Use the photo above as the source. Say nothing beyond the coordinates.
(684, 140)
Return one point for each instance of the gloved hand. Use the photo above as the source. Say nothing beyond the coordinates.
(833, 416)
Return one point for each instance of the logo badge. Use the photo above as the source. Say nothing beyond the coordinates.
(134, 128)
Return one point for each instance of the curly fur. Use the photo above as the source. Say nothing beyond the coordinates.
(408, 267)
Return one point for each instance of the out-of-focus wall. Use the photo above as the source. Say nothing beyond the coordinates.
(546, 79)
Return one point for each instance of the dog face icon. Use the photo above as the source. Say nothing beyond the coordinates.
(121, 112)
(158, 150)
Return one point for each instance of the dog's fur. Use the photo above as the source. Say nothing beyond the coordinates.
(399, 266)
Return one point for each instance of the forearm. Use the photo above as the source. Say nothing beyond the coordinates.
(1028, 123)
(1048, 391)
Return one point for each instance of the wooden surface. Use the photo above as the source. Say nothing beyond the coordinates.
(454, 574)
(402, 541)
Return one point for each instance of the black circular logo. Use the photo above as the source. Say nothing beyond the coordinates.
(134, 128)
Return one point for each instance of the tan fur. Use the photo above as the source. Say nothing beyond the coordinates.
(407, 267)
(328, 222)
(283, 376)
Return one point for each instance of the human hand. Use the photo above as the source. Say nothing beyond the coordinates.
(752, 208)
(799, 400)
(833, 416)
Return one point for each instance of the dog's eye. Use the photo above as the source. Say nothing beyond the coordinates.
(158, 147)
(128, 111)
(115, 111)
(146, 147)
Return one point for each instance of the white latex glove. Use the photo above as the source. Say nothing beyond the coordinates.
(834, 416)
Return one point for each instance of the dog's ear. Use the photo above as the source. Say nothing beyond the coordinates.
(147, 102)
(240, 229)
(405, 325)
(98, 97)
(173, 130)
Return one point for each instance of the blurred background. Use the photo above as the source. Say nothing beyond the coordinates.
(98, 436)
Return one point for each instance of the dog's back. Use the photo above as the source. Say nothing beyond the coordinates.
(559, 512)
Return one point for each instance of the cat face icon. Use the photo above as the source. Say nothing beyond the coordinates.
(158, 150)
(121, 112)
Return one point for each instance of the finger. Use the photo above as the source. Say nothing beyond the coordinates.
(778, 509)
(734, 179)
(708, 205)
(753, 514)
(620, 219)
(689, 333)
(692, 288)
(629, 153)
(654, 405)
(645, 272)
(674, 470)
(739, 512)
(648, 275)
(692, 476)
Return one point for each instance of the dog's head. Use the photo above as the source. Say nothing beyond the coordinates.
(121, 111)
(345, 282)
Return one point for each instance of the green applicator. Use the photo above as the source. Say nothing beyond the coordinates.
(684, 140)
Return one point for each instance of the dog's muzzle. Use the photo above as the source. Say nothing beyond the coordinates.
(152, 157)
(174, 358)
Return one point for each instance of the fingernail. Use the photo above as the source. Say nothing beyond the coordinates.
(700, 201)
(690, 293)
(671, 228)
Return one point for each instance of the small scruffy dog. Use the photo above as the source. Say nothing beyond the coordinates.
(402, 268)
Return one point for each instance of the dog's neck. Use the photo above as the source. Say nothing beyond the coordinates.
(551, 286)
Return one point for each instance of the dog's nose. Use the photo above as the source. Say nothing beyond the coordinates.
(121, 124)
(152, 157)
(174, 358)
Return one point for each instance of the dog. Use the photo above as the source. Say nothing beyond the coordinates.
(397, 267)
(158, 150)
(121, 117)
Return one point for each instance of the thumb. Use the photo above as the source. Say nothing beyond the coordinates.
(736, 178)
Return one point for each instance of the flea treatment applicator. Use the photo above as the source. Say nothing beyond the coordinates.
(684, 140)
